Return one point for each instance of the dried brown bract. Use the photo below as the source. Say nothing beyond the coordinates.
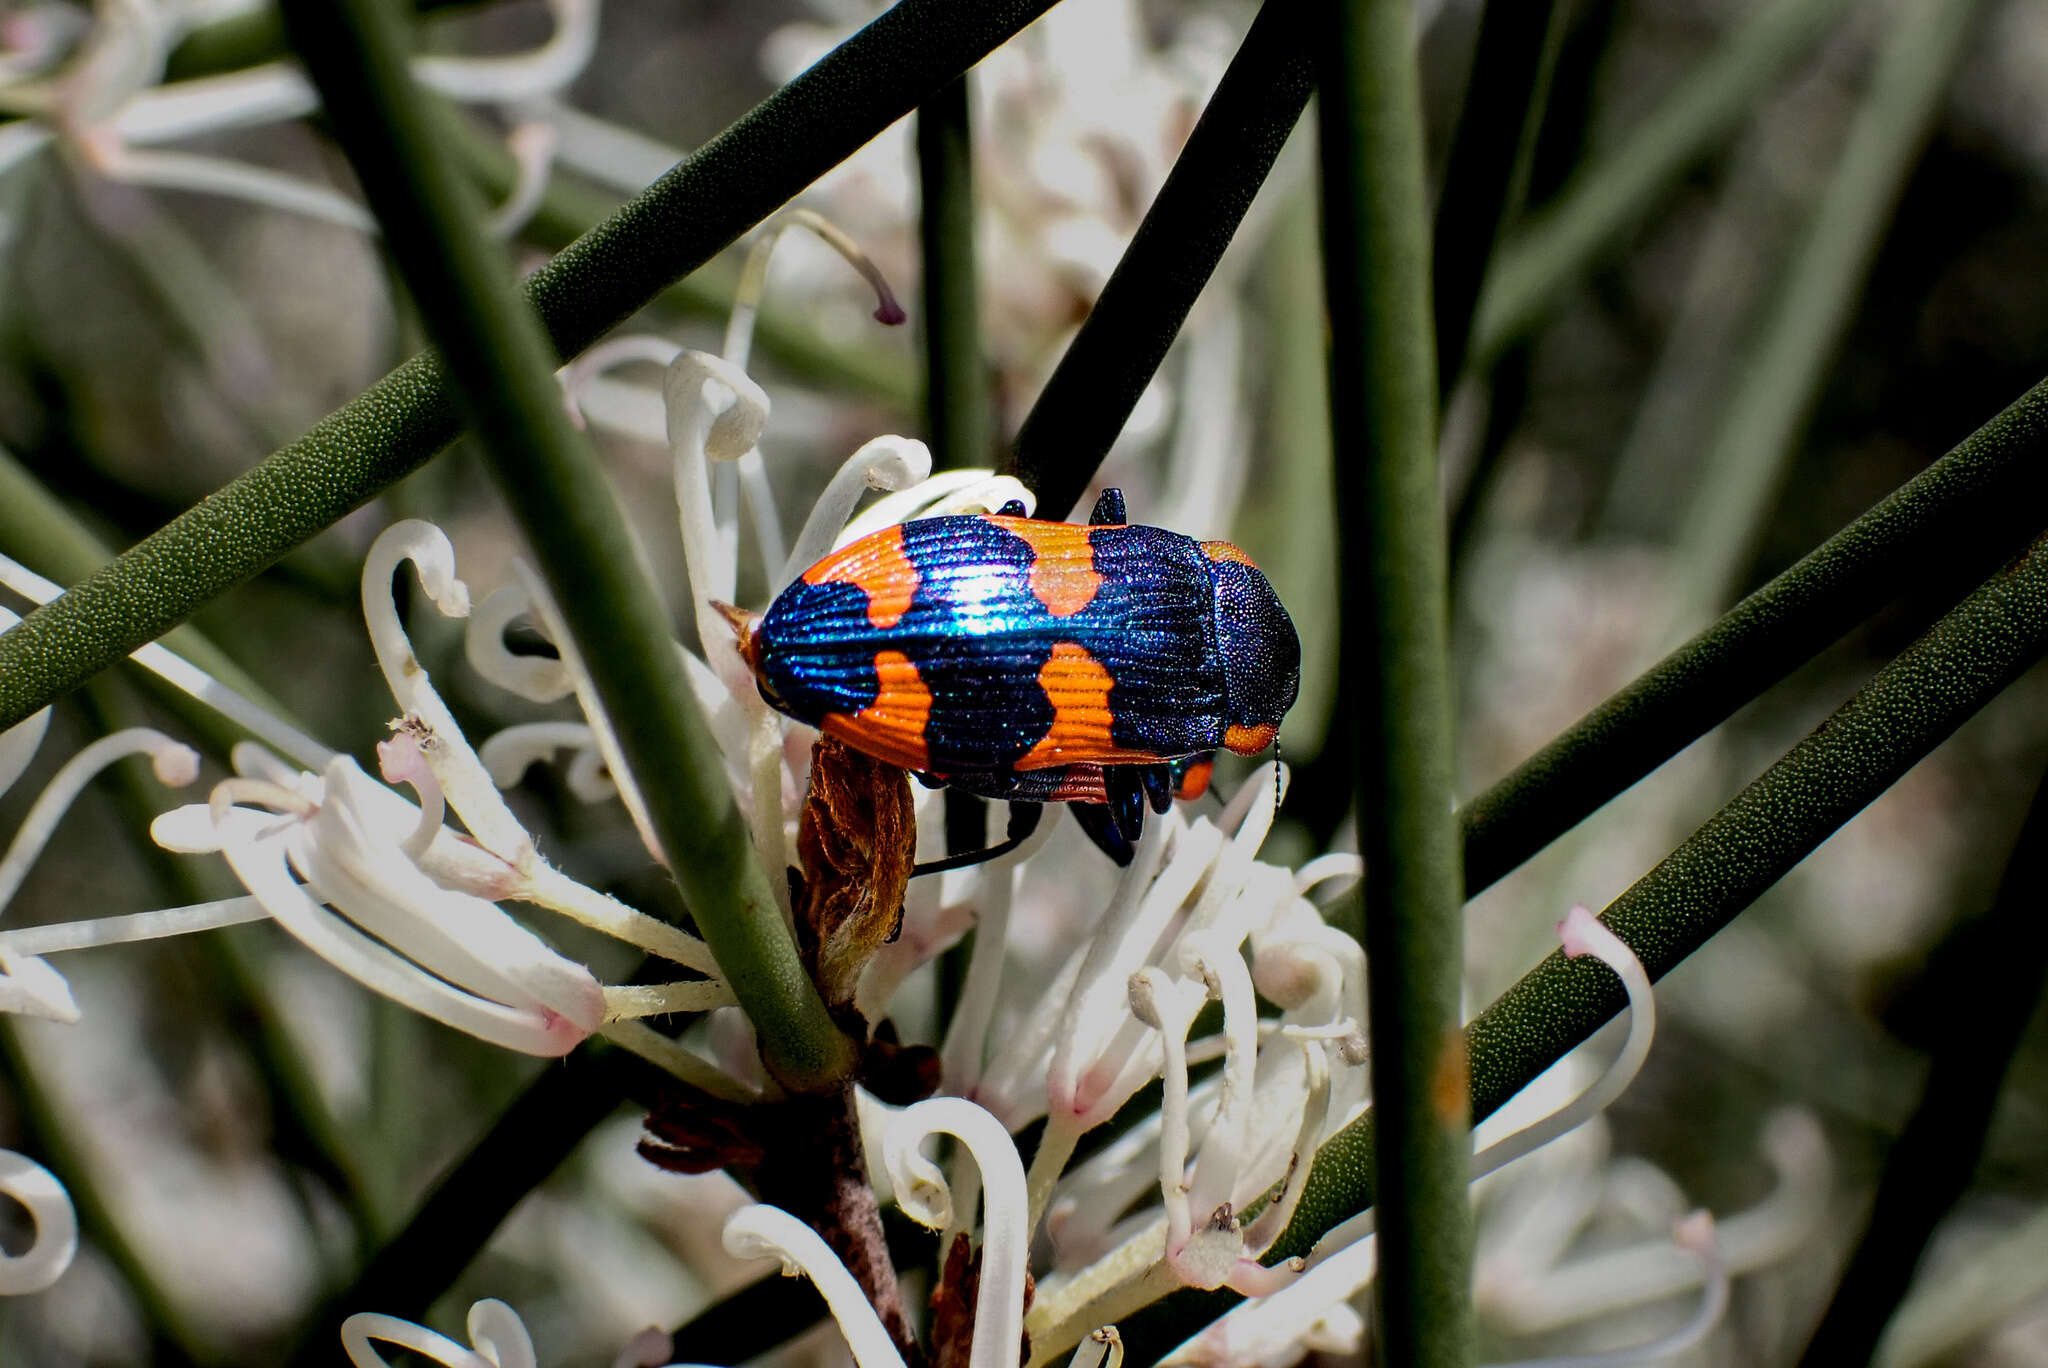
(857, 840)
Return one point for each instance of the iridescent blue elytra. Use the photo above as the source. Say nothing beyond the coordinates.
(982, 649)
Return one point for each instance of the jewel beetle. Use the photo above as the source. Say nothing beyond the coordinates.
(1034, 661)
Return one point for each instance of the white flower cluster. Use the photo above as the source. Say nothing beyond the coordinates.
(381, 885)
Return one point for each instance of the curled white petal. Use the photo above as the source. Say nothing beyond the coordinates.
(536, 678)
(1324, 868)
(917, 500)
(364, 1326)
(532, 145)
(523, 76)
(892, 463)
(999, 1307)
(401, 761)
(499, 1335)
(186, 830)
(510, 753)
(70, 779)
(468, 787)
(1585, 934)
(715, 413)
(1260, 1235)
(632, 410)
(723, 426)
(1695, 1236)
(765, 1232)
(984, 496)
(49, 1206)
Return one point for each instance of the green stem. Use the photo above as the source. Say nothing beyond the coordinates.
(1957, 518)
(956, 374)
(1781, 373)
(1906, 710)
(1488, 170)
(676, 225)
(501, 368)
(1559, 242)
(1987, 979)
(1910, 707)
(1175, 250)
(1383, 417)
(958, 417)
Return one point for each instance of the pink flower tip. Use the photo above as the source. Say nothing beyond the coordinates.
(889, 312)
(1578, 930)
(560, 1034)
(399, 759)
(1695, 1233)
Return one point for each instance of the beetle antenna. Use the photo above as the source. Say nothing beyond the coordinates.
(1278, 791)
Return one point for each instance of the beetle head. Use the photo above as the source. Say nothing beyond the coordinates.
(1261, 654)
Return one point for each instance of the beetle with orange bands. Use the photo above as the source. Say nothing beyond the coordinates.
(1035, 661)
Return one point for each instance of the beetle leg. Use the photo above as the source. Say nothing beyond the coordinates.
(1024, 818)
(1157, 781)
(1013, 509)
(1102, 829)
(1109, 509)
(1126, 799)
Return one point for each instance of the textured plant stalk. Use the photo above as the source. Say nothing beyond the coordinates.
(676, 225)
(501, 368)
(1171, 257)
(1383, 397)
(1909, 708)
(1912, 705)
(956, 374)
(40, 532)
(1946, 527)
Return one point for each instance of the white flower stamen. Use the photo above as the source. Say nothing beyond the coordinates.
(891, 463)
(494, 1328)
(922, 1192)
(766, 1232)
(56, 1226)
